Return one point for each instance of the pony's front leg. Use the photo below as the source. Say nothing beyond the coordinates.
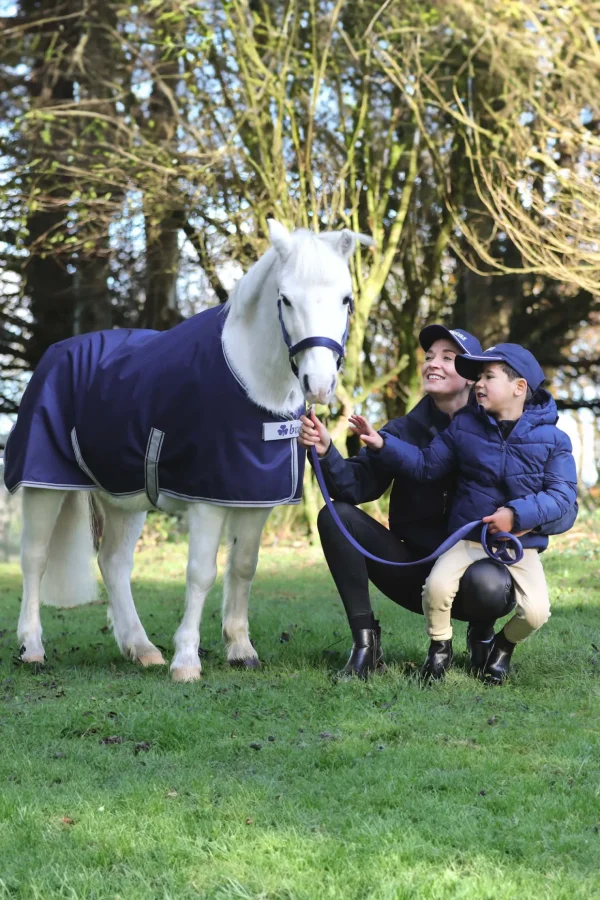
(206, 526)
(245, 530)
(40, 512)
(121, 533)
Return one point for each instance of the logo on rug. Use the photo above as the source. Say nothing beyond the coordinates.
(281, 431)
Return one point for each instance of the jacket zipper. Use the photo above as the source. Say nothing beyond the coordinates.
(445, 504)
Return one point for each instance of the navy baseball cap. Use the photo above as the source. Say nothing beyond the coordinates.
(468, 343)
(517, 357)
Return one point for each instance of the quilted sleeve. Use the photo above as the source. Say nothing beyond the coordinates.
(559, 526)
(399, 457)
(559, 494)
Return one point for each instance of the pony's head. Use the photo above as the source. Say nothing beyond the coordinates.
(315, 301)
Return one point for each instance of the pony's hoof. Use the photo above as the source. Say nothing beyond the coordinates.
(33, 656)
(152, 658)
(186, 673)
(252, 662)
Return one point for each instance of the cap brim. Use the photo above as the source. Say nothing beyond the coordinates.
(432, 333)
(470, 366)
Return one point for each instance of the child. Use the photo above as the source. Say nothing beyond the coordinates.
(515, 471)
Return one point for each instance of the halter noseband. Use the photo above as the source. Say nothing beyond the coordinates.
(305, 343)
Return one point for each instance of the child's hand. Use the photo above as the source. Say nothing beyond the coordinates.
(363, 428)
(502, 520)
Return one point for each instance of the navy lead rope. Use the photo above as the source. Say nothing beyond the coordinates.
(498, 551)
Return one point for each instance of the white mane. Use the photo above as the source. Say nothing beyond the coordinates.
(315, 266)
(251, 283)
(310, 261)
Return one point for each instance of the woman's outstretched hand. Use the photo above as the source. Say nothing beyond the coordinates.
(363, 428)
(314, 434)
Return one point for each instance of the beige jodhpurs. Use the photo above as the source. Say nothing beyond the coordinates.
(439, 591)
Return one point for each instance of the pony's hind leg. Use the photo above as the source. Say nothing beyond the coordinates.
(206, 526)
(121, 533)
(246, 527)
(40, 512)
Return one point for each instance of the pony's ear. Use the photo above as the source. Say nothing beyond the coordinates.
(280, 238)
(344, 242)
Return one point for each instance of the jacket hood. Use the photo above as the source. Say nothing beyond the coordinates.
(541, 410)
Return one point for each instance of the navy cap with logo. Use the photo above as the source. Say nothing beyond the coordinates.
(517, 357)
(468, 343)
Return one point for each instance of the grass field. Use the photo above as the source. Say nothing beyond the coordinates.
(115, 783)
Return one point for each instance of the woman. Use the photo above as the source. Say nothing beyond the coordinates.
(417, 518)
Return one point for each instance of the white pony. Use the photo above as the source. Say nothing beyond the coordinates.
(310, 277)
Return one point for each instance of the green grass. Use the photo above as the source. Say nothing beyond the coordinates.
(284, 783)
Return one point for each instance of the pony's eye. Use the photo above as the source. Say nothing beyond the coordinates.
(285, 300)
(347, 300)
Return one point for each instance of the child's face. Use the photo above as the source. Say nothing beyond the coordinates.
(496, 392)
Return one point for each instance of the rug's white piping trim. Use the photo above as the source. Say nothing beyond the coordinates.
(84, 468)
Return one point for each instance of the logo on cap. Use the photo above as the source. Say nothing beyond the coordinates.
(459, 334)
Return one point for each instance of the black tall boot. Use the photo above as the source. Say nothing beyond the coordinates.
(438, 661)
(480, 639)
(498, 665)
(366, 655)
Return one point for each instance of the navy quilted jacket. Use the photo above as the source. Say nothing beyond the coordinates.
(418, 512)
(532, 471)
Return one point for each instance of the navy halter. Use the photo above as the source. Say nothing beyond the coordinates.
(305, 343)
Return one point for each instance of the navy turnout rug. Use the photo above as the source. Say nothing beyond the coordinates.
(161, 412)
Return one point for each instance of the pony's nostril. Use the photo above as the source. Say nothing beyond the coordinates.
(306, 384)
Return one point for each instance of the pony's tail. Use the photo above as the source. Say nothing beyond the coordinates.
(69, 579)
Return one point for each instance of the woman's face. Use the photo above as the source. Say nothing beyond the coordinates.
(440, 378)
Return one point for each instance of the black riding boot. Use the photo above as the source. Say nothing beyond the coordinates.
(480, 639)
(366, 655)
(498, 665)
(438, 661)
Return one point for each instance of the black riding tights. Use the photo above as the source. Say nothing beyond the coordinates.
(485, 594)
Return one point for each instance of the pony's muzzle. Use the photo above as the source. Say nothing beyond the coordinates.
(318, 393)
(317, 373)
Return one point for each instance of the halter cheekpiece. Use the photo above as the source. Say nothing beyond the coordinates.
(305, 343)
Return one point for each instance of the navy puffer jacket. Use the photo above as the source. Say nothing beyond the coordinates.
(532, 471)
(418, 512)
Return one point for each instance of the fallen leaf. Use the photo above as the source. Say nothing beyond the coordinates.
(255, 745)
(284, 637)
(66, 820)
(142, 747)
(112, 739)
(172, 794)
